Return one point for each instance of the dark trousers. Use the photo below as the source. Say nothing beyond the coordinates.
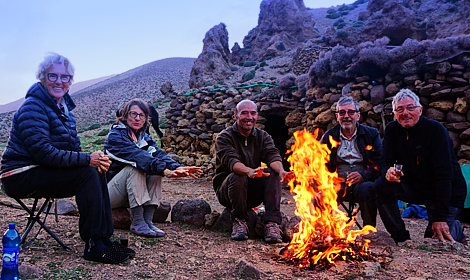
(364, 194)
(85, 183)
(389, 193)
(239, 193)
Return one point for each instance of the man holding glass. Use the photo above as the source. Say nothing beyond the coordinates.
(420, 167)
(356, 159)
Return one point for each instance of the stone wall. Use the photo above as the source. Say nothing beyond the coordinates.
(444, 89)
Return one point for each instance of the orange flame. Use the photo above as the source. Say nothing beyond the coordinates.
(322, 222)
(369, 148)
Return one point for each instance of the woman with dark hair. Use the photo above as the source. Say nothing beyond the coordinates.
(43, 158)
(138, 166)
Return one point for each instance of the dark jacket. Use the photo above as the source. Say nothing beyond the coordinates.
(42, 135)
(369, 145)
(232, 147)
(145, 155)
(430, 166)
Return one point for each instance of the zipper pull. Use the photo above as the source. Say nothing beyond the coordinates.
(246, 142)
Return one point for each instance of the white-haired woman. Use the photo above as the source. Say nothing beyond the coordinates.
(43, 158)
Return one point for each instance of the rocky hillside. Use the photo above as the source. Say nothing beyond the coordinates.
(13, 106)
(286, 27)
(98, 103)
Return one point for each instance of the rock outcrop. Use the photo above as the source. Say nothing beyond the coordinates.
(282, 25)
(213, 62)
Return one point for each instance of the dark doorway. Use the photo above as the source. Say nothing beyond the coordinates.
(276, 126)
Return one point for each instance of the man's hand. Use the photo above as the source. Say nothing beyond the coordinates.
(258, 172)
(393, 175)
(192, 171)
(286, 176)
(441, 231)
(354, 178)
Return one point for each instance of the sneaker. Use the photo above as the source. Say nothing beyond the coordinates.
(239, 229)
(272, 233)
(109, 255)
(159, 232)
(143, 230)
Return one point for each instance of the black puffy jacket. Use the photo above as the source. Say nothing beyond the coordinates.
(42, 135)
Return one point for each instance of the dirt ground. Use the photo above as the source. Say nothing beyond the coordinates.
(196, 253)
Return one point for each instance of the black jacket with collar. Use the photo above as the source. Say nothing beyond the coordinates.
(430, 166)
(369, 145)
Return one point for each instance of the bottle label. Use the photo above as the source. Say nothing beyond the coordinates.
(10, 257)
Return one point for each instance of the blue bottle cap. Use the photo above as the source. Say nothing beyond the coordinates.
(11, 225)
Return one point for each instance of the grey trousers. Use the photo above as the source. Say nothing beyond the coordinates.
(132, 187)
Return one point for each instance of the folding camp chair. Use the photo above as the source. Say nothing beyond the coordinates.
(34, 217)
(353, 208)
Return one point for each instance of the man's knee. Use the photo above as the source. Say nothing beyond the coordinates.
(365, 191)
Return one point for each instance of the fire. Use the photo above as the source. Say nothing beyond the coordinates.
(369, 148)
(324, 235)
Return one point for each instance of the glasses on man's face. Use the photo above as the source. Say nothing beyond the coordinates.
(351, 113)
(135, 114)
(409, 108)
(52, 77)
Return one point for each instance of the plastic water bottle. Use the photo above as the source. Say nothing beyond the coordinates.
(11, 242)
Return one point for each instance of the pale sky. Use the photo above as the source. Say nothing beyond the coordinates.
(110, 37)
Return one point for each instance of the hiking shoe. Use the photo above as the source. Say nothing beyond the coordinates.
(272, 233)
(239, 230)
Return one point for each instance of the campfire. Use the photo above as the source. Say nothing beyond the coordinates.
(325, 233)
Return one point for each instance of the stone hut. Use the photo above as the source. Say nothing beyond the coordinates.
(195, 119)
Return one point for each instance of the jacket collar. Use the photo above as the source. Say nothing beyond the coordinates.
(38, 91)
(253, 132)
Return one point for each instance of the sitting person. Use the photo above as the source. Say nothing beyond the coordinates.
(240, 181)
(356, 159)
(137, 167)
(429, 173)
(43, 158)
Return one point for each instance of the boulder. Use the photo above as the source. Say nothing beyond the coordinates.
(161, 213)
(377, 94)
(121, 218)
(64, 207)
(190, 212)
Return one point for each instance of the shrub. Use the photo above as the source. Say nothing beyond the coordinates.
(302, 82)
(333, 16)
(376, 55)
(441, 48)
(409, 49)
(464, 42)
(342, 34)
(93, 126)
(339, 23)
(99, 141)
(287, 81)
(249, 63)
(103, 132)
(248, 75)
(263, 63)
(331, 11)
(341, 57)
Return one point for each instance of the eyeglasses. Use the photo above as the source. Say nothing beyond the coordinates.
(52, 77)
(409, 108)
(135, 114)
(351, 113)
